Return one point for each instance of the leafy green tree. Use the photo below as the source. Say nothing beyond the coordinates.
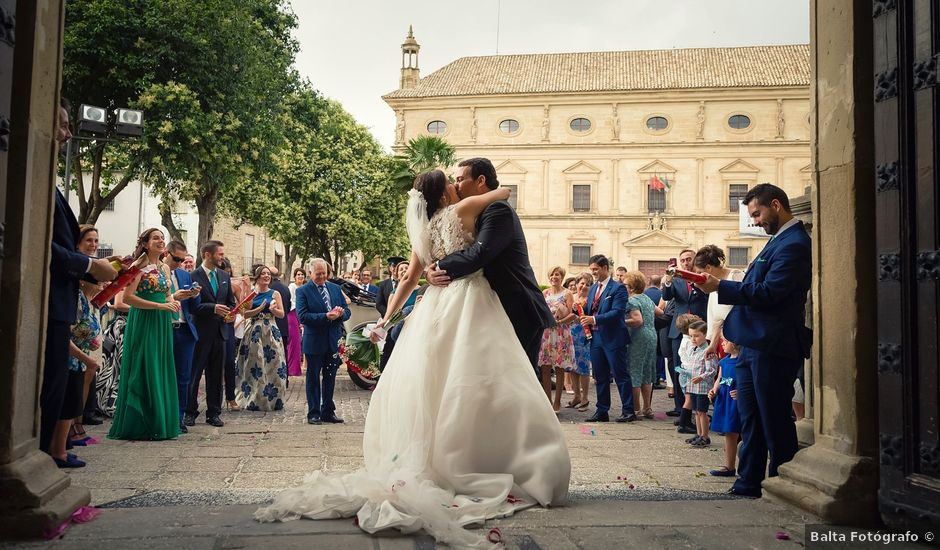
(331, 190)
(210, 76)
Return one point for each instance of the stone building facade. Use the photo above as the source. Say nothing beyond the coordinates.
(583, 140)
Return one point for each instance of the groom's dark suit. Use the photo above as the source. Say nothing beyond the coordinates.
(209, 355)
(501, 251)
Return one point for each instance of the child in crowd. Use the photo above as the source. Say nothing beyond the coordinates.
(685, 417)
(702, 372)
(725, 419)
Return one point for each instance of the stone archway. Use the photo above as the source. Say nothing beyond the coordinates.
(37, 495)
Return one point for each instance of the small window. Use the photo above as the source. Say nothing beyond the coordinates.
(656, 198)
(105, 250)
(437, 127)
(513, 195)
(509, 126)
(581, 198)
(739, 122)
(736, 193)
(657, 123)
(738, 255)
(580, 125)
(580, 254)
(110, 206)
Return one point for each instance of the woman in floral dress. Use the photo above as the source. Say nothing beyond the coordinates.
(582, 346)
(557, 351)
(261, 370)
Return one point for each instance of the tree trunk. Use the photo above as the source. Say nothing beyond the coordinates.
(207, 207)
(166, 218)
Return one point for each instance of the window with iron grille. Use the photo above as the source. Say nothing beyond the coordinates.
(580, 254)
(581, 198)
(437, 127)
(656, 198)
(580, 125)
(738, 255)
(105, 250)
(736, 193)
(513, 195)
(110, 206)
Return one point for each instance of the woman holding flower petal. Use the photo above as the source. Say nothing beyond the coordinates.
(147, 404)
(260, 368)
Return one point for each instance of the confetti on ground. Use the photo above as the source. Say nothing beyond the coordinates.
(587, 430)
(394, 458)
(783, 535)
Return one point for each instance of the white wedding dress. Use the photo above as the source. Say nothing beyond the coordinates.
(458, 430)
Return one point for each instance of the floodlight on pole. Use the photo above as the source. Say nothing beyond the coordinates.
(129, 122)
(92, 119)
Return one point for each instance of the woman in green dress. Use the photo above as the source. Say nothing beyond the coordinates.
(147, 404)
(641, 314)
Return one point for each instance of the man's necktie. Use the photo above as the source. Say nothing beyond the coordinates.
(213, 282)
(597, 298)
(325, 296)
(689, 285)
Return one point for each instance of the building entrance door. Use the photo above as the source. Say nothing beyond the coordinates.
(652, 268)
(906, 41)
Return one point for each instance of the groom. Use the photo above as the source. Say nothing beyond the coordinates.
(501, 251)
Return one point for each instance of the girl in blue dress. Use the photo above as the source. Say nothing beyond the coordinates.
(261, 370)
(725, 418)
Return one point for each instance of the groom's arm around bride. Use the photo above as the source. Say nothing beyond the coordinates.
(500, 250)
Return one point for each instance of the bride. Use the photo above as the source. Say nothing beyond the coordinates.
(458, 430)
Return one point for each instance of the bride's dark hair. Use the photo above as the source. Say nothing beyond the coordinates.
(432, 185)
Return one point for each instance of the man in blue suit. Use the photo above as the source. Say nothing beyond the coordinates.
(66, 268)
(322, 309)
(686, 299)
(607, 306)
(768, 322)
(184, 331)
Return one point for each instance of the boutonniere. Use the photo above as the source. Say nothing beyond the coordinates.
(760, 260)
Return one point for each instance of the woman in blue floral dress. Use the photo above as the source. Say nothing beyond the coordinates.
(261, 370)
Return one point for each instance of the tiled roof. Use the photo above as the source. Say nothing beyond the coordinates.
(754, 66)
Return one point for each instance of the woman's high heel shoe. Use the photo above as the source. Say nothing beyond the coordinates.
(232, 406)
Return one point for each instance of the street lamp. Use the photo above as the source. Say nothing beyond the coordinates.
(94, 120)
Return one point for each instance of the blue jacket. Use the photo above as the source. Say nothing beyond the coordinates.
(695, 303)
(188, 306)
(610, 330)
(769, 313)
(67, 266)
(209, 325)
(321, 335)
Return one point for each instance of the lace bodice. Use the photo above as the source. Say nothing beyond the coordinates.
(447, 233)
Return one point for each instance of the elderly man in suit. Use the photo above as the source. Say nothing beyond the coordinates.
(768, 322)
(686, 299)
(66, 268)
(216, 299)
(607, 306)
(322, 309)
(184, 331)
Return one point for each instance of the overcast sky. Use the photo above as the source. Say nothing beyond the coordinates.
(351, 49)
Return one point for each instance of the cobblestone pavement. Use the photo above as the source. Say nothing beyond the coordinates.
(629, 482)
(258, 452)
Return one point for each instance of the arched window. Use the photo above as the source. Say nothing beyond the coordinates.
(437, 127)
(580, 125)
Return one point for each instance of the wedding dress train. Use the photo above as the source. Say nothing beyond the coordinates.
(458, 430)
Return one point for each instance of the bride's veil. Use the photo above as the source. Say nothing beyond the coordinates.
(416, 221)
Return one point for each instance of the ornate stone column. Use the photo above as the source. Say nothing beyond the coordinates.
(36, 494)
(836, 478)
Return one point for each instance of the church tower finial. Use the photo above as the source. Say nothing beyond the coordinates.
(410, 74)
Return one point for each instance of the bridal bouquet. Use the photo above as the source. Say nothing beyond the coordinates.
(360, 354)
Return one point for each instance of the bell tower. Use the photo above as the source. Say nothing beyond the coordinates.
(410, 74)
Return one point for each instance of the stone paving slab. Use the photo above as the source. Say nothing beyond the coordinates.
(582, 524)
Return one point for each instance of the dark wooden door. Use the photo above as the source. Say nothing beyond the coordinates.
(906, 36)
(7, 40)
